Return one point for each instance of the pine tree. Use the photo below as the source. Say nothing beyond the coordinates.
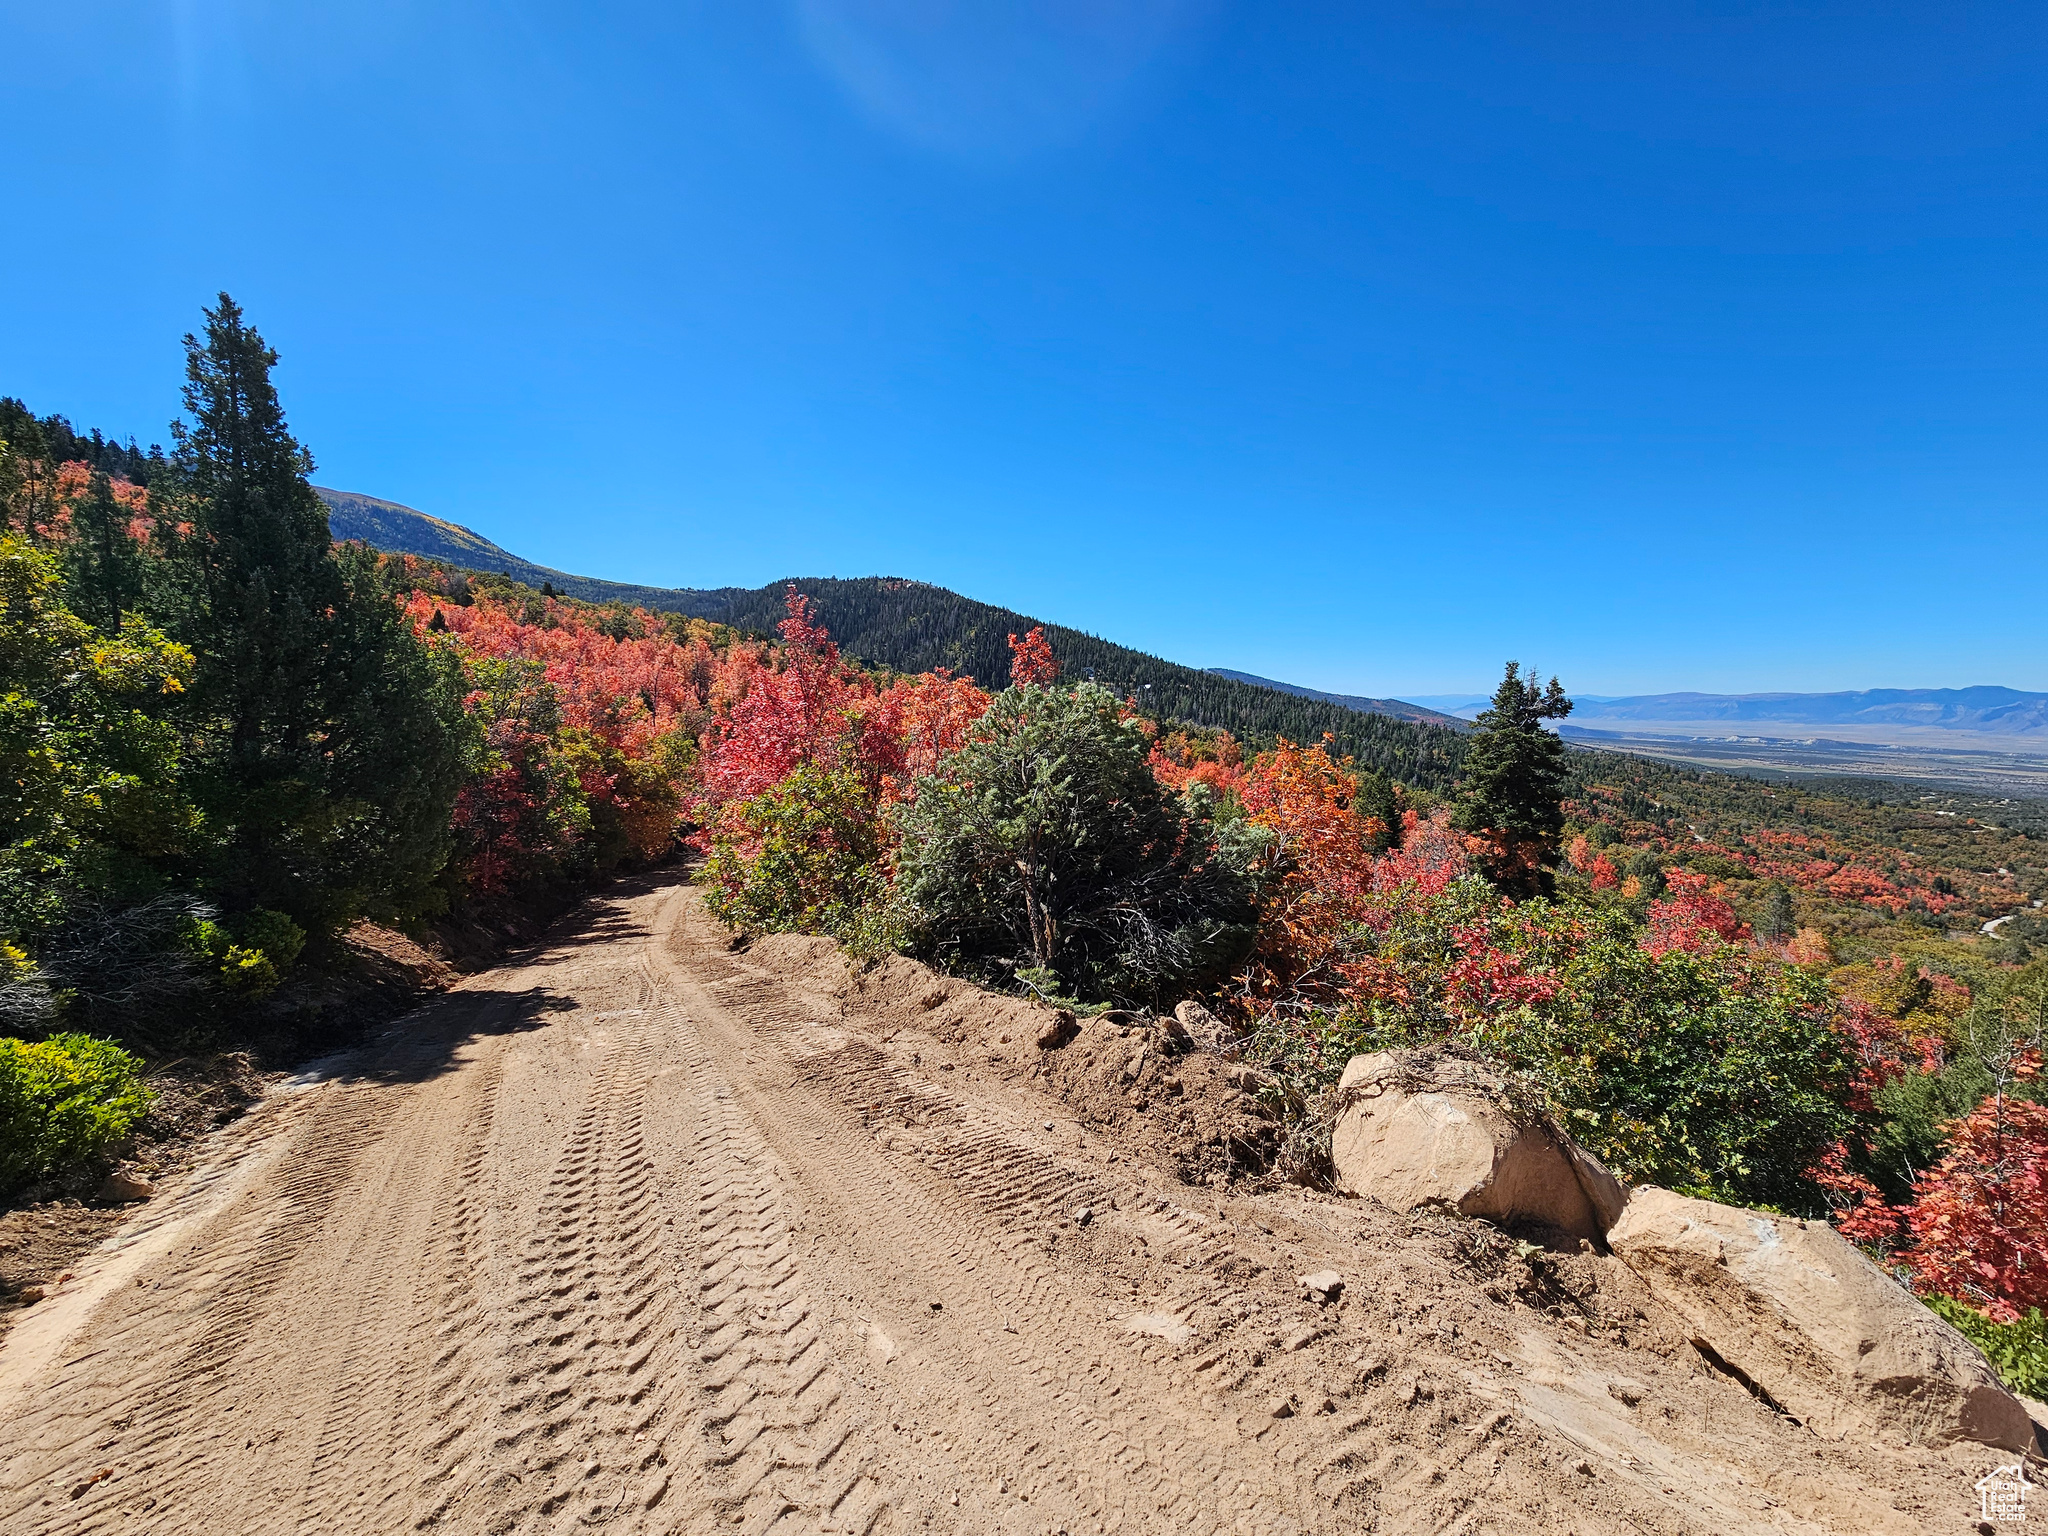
(1514, 783)
(1778, 919)
(103, 565)
(329, 741)
(1376, 798)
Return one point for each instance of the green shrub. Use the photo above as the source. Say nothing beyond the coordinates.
(62, 1100)
(1710, 1074)
(251, 955)
(804, 857)
(2017, 1351)
(1714, 1074)
(1046, 844)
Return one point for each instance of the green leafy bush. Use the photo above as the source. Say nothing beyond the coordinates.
(252, 954)
(1707, 1073)
(2017, 1351)
(1046, 844)
(64, 1099)
(804, 857)
(1714, 1074)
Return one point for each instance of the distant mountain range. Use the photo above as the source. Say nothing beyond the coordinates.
(1985, 711)
(912, 626)
(1870, 714)
(1400, 709)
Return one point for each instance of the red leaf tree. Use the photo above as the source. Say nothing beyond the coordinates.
(1691, 919)
(1979, 1219)
(1031, 660)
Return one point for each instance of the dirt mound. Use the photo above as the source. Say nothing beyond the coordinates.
(1138, 1080)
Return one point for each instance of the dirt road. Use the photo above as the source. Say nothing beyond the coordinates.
(647, 1235)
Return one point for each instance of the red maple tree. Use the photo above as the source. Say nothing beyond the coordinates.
(1031, 660)
(1979, 1218)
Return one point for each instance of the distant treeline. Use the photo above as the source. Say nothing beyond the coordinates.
(911, 626)
(54, 440)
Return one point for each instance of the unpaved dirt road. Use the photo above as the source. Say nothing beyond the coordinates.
(641, 1235)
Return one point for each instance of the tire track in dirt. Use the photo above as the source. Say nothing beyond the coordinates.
(159, 1404)
(592, 1342)
(169, 1426)
(782, 1448)
(1025, 1359)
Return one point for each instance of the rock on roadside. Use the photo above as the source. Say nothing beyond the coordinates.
(126, 1184)
(1805, 1318)
(1058, 1031)
(1434, 1128)
(1203, 1027)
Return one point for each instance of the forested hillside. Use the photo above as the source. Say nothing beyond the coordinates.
(64, 443)
(910, 626)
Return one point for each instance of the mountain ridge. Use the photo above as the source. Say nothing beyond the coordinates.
(1400, 709)
(913, 626)
(401, 530)
(1986, 709)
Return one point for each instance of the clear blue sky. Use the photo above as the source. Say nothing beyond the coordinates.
(1666, 346)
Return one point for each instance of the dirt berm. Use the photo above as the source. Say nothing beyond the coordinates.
(644, 1233)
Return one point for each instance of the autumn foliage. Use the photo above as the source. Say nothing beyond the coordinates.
(586, 733)
(1031, 661)
(1692, 918)
(1979, 1220)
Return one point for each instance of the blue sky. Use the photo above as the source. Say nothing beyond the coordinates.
(1663, 346)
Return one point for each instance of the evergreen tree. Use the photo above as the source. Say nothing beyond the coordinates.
(1514, 783)
(329, 742)
(25, 470)
(103, 565)
(1778, 918)
(1376, 798)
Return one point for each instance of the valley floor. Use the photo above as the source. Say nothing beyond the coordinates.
(646, 1234)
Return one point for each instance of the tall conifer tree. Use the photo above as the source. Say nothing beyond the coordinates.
(330, 742)
(1514, 780)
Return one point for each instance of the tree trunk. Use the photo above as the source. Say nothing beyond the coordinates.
(1035, 915)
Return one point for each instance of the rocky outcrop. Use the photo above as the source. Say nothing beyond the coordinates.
(1798, 1314)
(1439, 1128)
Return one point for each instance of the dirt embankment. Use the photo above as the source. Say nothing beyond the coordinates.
(651, 1234)
(49, 1225)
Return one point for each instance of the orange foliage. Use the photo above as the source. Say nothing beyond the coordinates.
(1031, 659)
(1179, 760)
(1322, 853)
(628, 693)
(928, 716)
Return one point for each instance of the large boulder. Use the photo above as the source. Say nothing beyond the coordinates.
(1439, 1128)
(1802, 1317)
